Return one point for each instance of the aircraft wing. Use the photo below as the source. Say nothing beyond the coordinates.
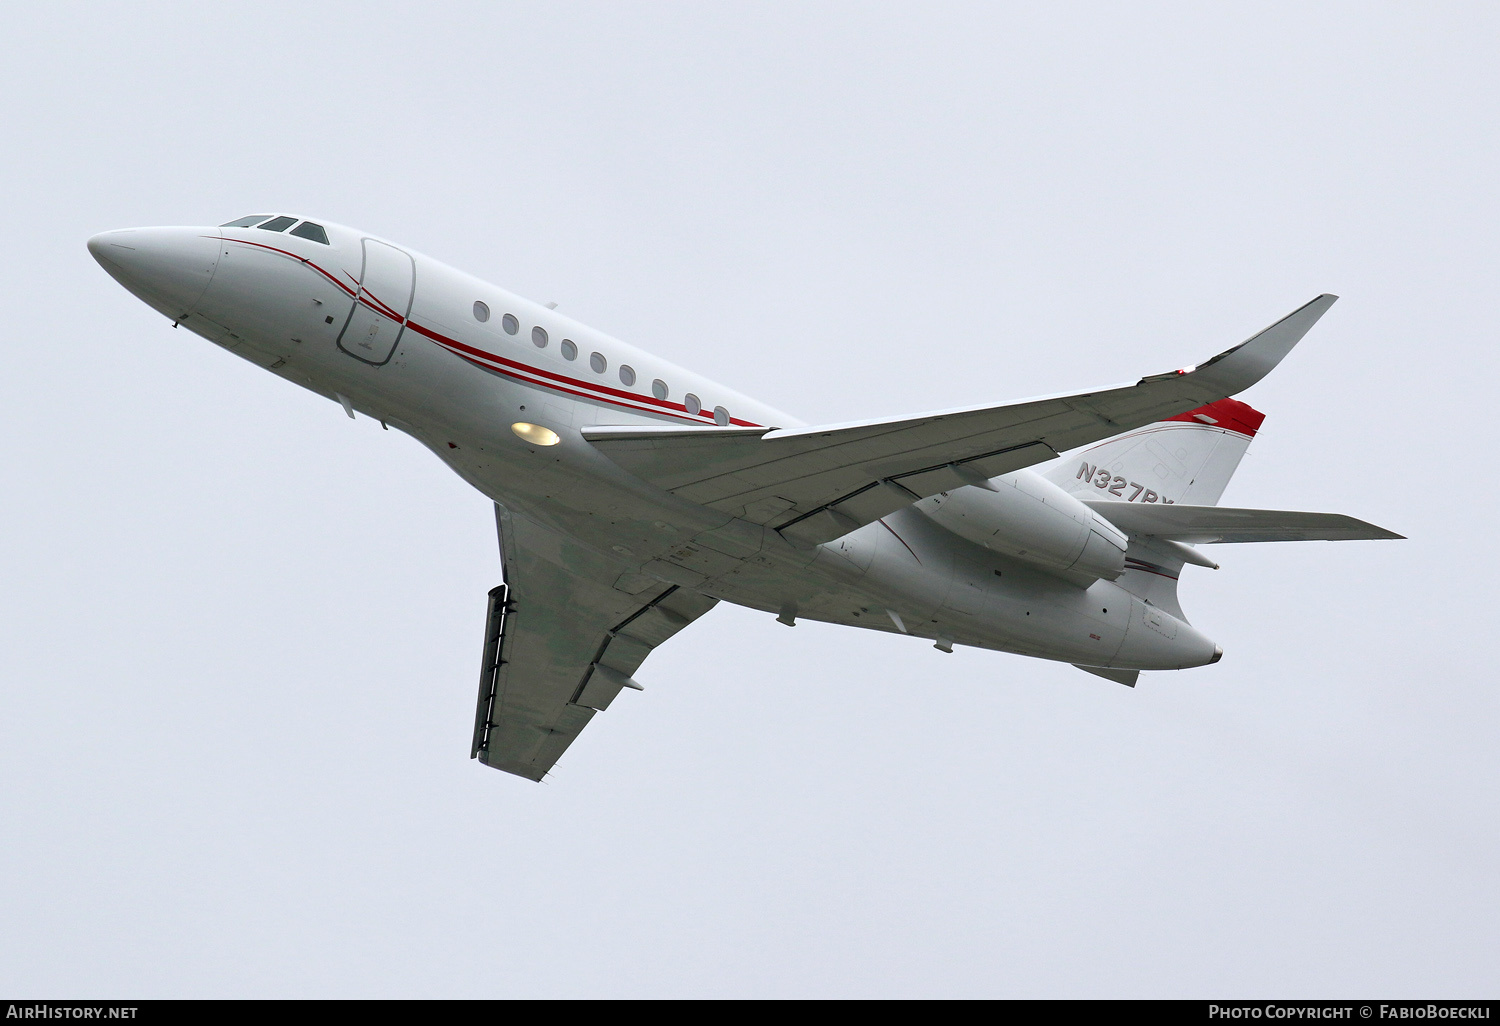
(1206, 524)
(563, 641)
(816, 484)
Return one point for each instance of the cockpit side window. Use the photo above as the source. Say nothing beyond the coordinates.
(246, 222)
(278, 224)
(308, 230)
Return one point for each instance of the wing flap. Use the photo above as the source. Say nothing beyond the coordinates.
(813, 483)
(1126, 677)
(1210, 524)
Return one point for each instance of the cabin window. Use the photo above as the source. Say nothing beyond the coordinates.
(627, 375)
(721, 416)
(692, 403)
(598, 362)
(539, 337)
(569, 350)
(481, 311)
(278, 224)
(659, 388)
(510, 324)
(246, 222)
(308, 230)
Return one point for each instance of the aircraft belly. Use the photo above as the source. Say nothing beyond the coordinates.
(904, 563)
(939, 585)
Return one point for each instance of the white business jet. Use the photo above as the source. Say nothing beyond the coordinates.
(633, 495)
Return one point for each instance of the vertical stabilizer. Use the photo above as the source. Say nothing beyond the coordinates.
(1189, 458)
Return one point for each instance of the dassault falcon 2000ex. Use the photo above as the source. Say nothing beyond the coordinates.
(632, 495)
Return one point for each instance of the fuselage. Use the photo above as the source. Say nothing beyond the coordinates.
(463, 366)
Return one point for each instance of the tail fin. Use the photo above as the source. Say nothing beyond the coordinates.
(1188, 459)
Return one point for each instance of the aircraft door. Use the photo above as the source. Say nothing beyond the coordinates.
(387, 283)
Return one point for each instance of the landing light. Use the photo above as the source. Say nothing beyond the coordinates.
(535, 433)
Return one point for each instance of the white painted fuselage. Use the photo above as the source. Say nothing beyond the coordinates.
(420, 360)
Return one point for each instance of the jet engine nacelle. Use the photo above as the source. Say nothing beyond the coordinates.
(1030, 518)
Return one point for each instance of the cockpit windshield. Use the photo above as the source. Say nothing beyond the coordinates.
(308, 230)
(280, 223)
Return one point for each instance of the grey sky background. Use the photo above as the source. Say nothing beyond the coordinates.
(241, 634)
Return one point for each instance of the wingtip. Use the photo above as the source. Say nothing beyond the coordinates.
(1236, 369)
(1321, 302)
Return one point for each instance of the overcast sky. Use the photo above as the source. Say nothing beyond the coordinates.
(240, 635)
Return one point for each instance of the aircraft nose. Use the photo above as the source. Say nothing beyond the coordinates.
(97, 244)
(168, 268)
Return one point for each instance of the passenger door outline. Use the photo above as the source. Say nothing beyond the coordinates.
(377, 319)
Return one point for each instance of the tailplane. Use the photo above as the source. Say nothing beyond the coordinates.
(1161, 484)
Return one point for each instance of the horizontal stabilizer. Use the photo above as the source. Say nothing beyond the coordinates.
(1126, 677)
(1208, 524)
(819, 483)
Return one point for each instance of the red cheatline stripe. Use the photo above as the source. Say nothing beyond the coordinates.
(556, 387)
(379, 305)
(662, 405)
(294, 256)
(476, 355)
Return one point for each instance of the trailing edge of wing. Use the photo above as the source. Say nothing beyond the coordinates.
(815, 484)
(1208, 524)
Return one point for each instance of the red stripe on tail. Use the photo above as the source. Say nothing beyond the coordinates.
(1229, 414)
